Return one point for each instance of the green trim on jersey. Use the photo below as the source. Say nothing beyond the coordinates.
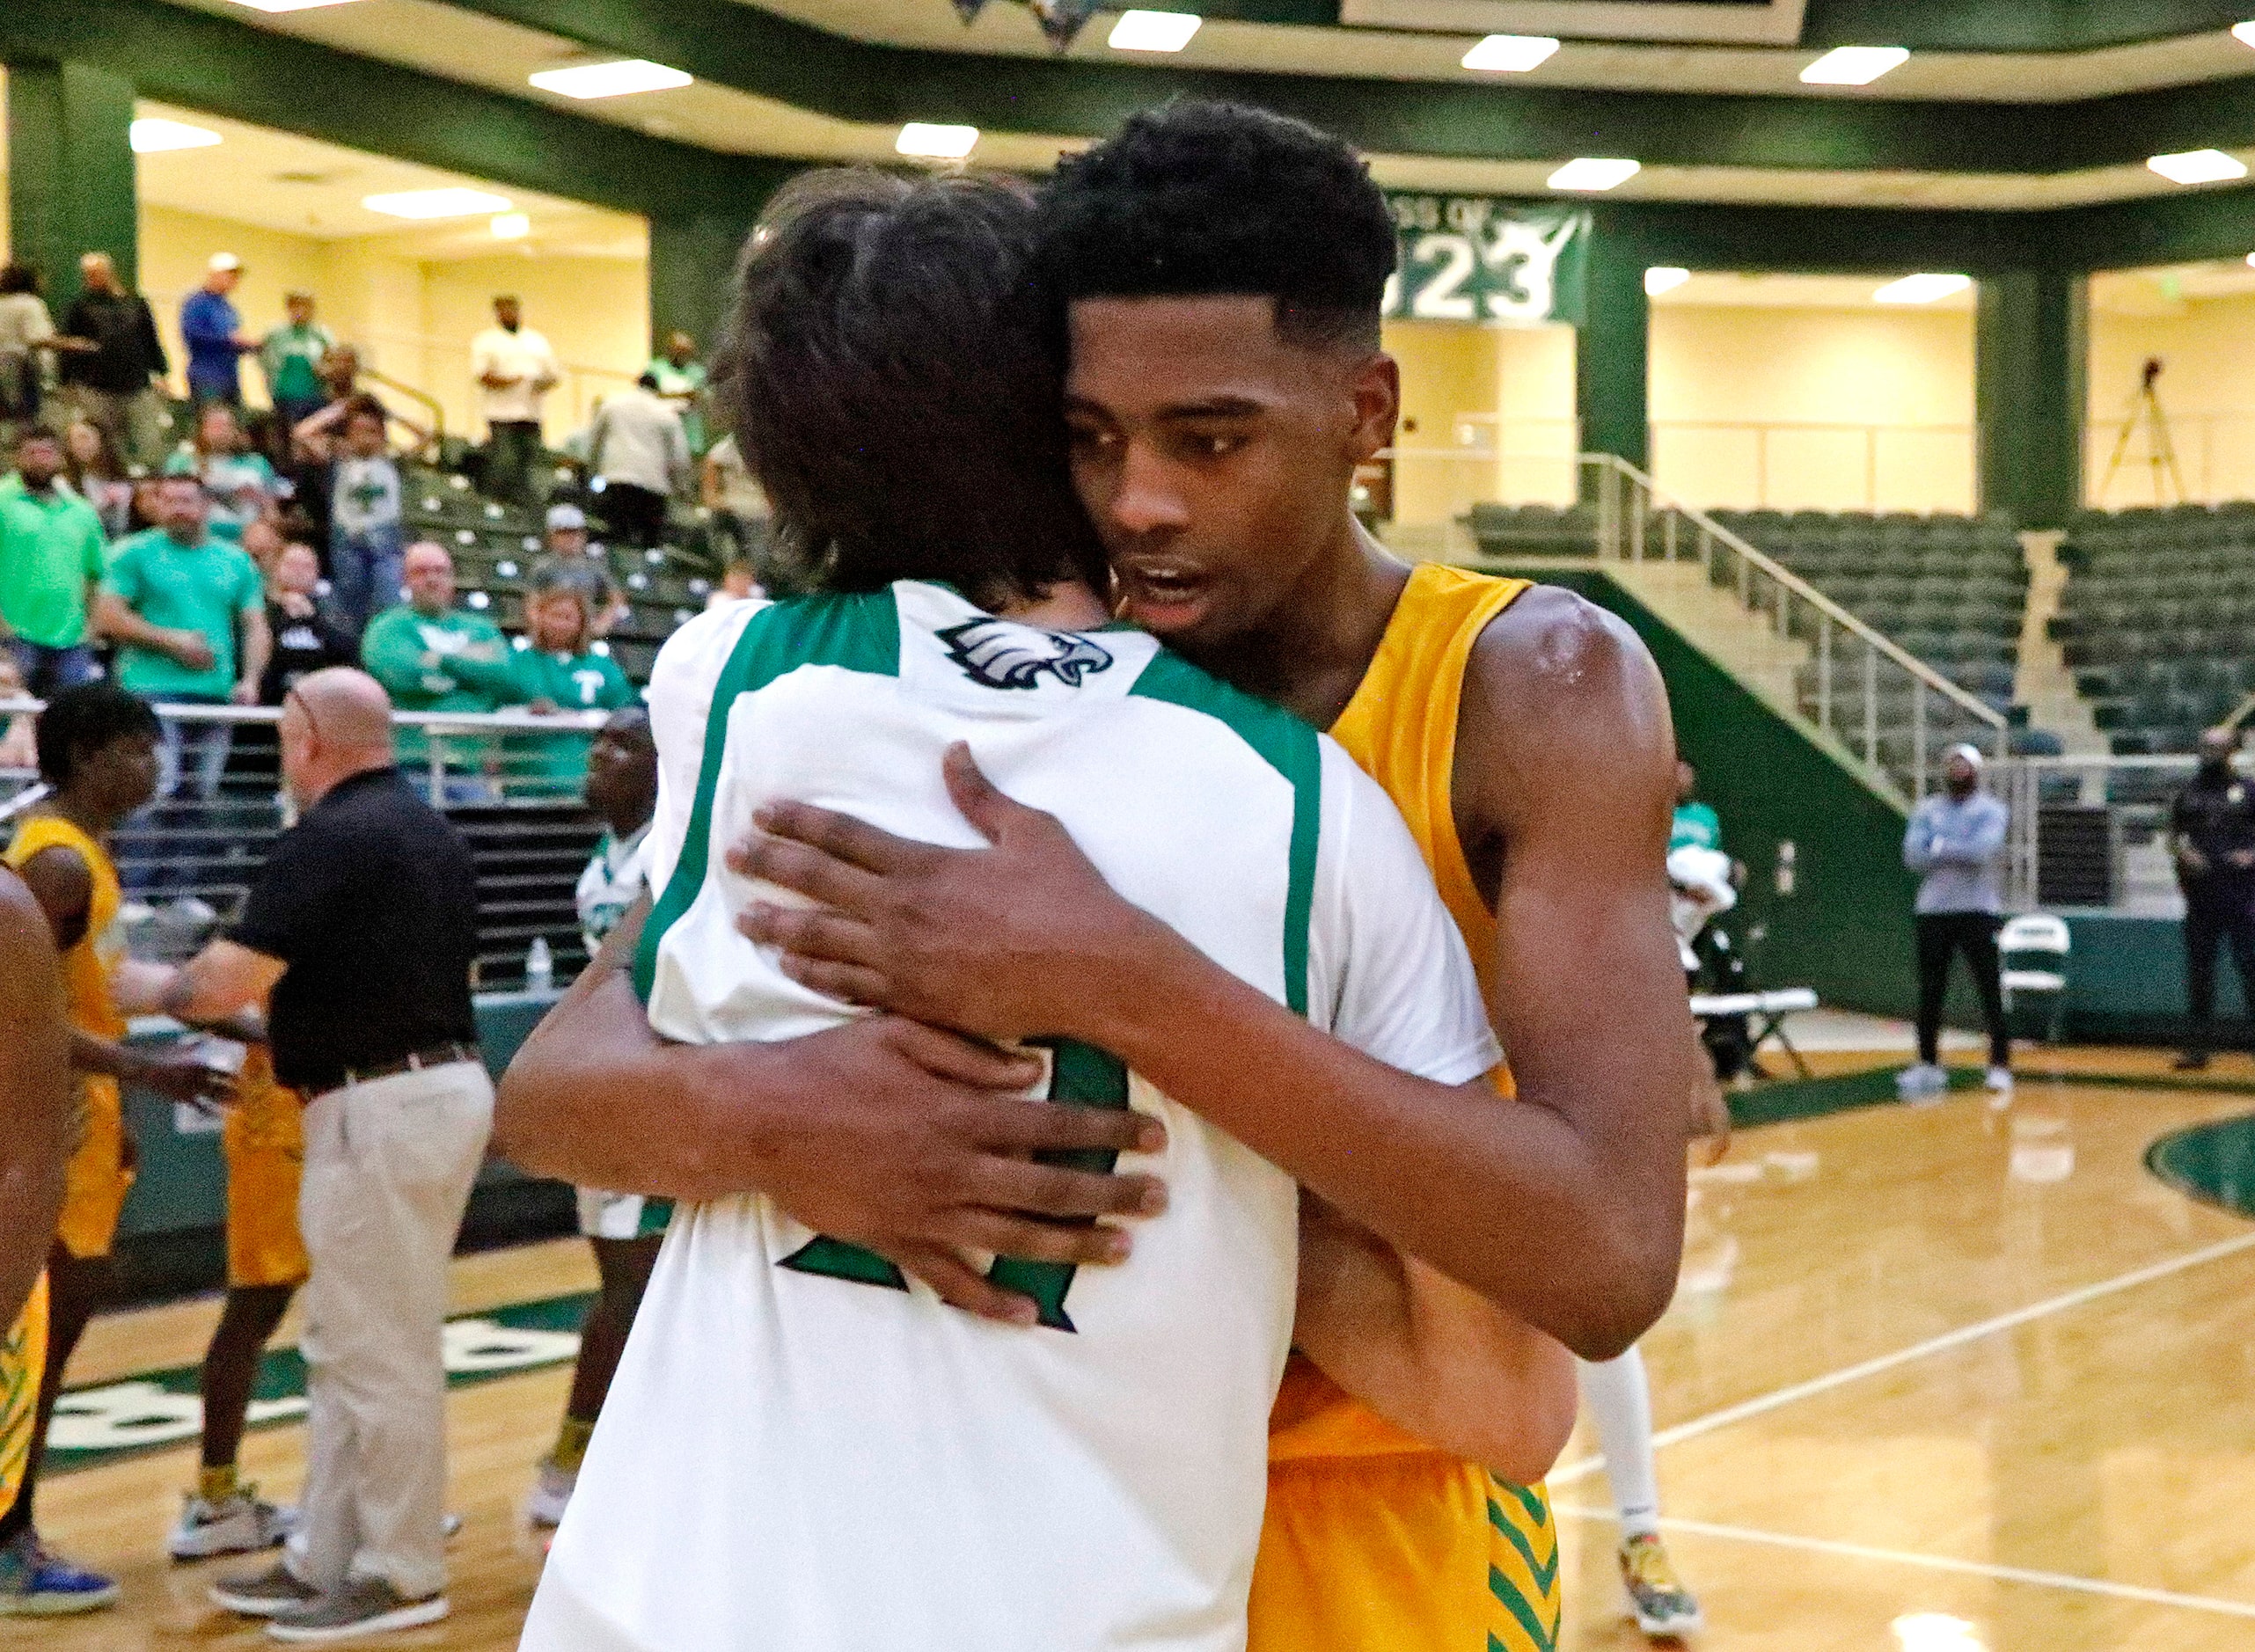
(1292, 750)
(857, 633)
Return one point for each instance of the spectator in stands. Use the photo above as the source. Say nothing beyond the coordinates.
(1696, 826)
(360, 932)
(738, 504)
(26, 332)
(239, 484)
(291, 355)
(213, 331)
(638, 458)
(2212, 839)
(1956, 845)
(113, 383)
(366, 536)
(53, 553)
(19, 744)
(681, 380)
(558, 670)
(516, 370)
(176, 600)
(432, 657)
(309, 634)
(96, 473)
(567, 541)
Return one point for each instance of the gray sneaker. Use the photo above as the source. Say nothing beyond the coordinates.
(263, 1594)
(364, 1606)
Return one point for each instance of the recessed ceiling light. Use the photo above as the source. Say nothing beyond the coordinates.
(153, 136)
(1152, 31)
(2198, 166)
(1511, 53)
(288, 5)
(435, 203)
(1591, 174)
(510, 226)
(610, 80)
(1854, 65)
(1663, 278)
(930, 141)
(2243, 33)
(1920, 289)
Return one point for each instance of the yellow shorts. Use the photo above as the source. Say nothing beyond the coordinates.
(98, 1175)
(1402, 1553)
(263, 1139)
(23, 1359)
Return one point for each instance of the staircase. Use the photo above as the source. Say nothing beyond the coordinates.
(1710, 617)
(2044, 683)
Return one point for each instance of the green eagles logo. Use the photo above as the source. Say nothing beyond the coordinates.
(1001, 654)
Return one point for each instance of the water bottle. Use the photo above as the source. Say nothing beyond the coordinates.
(539, 966)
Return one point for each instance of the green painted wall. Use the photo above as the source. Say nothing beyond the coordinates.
(1612, 352)
(70, 180)
(692, 261)
(2030, 357)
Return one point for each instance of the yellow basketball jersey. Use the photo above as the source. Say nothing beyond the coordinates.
(1373, 1541)
(22, 1358)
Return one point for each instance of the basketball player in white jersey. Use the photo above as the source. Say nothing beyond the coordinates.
(801, 1451)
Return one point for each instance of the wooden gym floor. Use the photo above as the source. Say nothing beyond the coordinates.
(1938, 1379)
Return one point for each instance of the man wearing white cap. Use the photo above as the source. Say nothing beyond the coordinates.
(1956, 845)
(213, 332)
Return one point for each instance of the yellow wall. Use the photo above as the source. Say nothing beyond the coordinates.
(1487, 412)
(2206, 390)
(411, 319)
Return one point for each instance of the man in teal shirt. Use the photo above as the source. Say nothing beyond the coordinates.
(291, 356)
(176, 599)
(432, 657)
(52, 554)
(681, 379)
(1696, 826)
(559, 670)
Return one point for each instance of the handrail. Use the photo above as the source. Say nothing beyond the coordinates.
(1925, 675)
(422, 398)
(515, 720)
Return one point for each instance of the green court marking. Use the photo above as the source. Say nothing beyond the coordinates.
(2213, 1163)
(159, 1409)
(1789, 1100)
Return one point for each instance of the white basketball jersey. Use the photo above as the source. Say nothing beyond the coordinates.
(802, 1453)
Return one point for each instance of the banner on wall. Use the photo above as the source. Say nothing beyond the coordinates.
(1472, 257)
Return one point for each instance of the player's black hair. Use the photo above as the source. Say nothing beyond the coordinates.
(1198, 199)
(891, 376)
(80, 722)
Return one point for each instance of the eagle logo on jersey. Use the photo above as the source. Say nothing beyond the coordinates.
(1001, 654)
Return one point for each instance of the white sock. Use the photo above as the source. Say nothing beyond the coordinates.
(1620, 1399)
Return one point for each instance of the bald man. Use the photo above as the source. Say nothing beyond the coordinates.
(360, 932)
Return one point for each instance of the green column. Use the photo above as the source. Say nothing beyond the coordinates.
(70, 178)
(2030, 361)
(1612, 353)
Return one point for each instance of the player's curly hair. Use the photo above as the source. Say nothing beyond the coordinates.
(1199, 198)
(80, 722)
(895, 386)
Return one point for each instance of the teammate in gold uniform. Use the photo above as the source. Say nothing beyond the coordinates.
(97, 754)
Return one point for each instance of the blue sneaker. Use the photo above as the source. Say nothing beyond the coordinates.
(35, 1584)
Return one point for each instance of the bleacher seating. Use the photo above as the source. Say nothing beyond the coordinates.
(1547, 530)
(2158, 619)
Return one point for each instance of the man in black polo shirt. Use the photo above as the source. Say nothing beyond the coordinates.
(362, 926)
(2211, 835)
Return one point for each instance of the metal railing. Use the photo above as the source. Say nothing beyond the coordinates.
(1888, 711)
(2091, 831)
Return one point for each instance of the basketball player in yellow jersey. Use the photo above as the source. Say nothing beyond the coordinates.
(1222, 272)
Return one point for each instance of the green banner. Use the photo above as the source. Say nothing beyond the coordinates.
(1472, 257)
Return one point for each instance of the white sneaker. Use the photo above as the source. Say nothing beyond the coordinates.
(552, 1495)
(1921, 1082)
(2000, 1080)
(239, 1524)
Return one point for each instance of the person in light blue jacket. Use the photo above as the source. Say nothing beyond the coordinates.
(1956, 845)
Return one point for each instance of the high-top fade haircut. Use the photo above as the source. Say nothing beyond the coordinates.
(894, 387)
(1198, 199)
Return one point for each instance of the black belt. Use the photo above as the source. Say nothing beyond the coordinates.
(443, 1055)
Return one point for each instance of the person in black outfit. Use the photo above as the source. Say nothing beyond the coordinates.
(110, 384)
(2212, 836)
(363, 925)
(309, 634)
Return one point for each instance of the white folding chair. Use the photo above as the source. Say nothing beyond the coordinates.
(2044, 933)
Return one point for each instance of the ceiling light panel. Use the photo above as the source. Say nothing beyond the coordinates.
(1854, 65)
(288, 5)
(1592, 174)
(1663, 278)
(1922, 290)
(936, 142)
(2198, 166)
(2243, 33)
(610, 80)
(1511, 53)
(154, 136)
(1152, 31)
(435, 203)
(510, 226)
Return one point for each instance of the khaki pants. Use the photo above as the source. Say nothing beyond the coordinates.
(388, 1169)
(135, 420)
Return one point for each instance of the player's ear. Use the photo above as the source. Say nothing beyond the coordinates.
(1376, 387)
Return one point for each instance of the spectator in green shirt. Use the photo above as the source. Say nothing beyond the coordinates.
(680, 382)
(432, 656)
(176, 599)
(1696, 826)
(52, 554)
(559, 670)
(291, 355)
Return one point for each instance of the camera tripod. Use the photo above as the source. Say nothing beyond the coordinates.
(2160, 447)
